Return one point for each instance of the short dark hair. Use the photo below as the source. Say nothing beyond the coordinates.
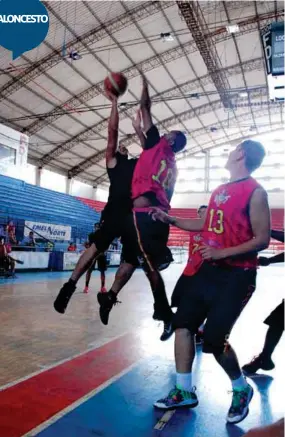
(202, 207)
(254, 153)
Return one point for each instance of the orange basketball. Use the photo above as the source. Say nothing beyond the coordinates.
(116, 84)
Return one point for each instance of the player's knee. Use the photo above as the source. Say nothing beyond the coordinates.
(182, 324)
(213, 342)
(182, 333)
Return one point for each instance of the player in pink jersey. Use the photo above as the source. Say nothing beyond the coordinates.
(237, 226)
(152, 185)
(194, 262)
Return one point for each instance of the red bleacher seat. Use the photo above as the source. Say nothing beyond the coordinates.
(180, 238)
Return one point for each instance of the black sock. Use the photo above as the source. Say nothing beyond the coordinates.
(72, 282)
(113, 295)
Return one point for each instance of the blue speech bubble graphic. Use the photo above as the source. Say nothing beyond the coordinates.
(24, 25)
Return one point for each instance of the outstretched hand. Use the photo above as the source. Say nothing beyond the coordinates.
(158, 214)
(110, 96)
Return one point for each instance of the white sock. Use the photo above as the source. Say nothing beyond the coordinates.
(184, 381)
(240, 383)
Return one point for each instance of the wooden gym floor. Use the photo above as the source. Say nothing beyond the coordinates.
(68, 375)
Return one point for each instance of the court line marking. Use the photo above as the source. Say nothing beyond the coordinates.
(57, 363)
(164, 420)
(80, 401)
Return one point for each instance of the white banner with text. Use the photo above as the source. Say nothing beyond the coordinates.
(49, 231)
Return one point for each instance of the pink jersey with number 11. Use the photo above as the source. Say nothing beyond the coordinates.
(156, 172)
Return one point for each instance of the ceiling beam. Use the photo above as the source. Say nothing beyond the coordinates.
(255, 64)
(89, 38)
(188, 87)
(259, 112)
(191, 14)
(166, 57)
(168, 123)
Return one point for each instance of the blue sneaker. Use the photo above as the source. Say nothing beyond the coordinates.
(178, 398)
(240, 402)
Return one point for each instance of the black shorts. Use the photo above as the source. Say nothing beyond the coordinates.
(276, 318)
(101, 263)
(114, 225)
(5, 263)
(217, 294)
(148, 240)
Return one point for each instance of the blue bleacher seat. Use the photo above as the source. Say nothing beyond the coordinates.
(21, 201)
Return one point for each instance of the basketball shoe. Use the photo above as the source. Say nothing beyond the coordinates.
(259, 362)
(239, 406)
(177, 398)
(106, 302)
(167, 331)
(61, 302)
(86, 290)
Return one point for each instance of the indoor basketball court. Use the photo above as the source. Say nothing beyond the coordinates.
(215, 73)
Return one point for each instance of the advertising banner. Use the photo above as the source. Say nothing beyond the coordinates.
(49, 231)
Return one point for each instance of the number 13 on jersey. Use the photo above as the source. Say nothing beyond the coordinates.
(216, 221)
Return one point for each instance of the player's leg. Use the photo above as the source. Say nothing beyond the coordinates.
(175, 299)
(263, 361)
(88, 276)
(152, 240)
(12, 266)
(102, 267)
(109, 299)
(191, 310)
(233, 290)
(102, 239)
(129, 263)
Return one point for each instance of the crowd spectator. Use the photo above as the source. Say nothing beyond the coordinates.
(49, 246)
(72, 247)
(29, 240)
(6, 262)
(2, 231)
(11, 231)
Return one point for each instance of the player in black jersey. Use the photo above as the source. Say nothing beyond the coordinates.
(120, 171)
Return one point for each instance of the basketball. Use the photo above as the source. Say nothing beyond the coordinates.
(116, 84)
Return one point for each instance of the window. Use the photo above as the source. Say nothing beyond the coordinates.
(191, 174)
(195, 161)
(272, 184)
(269, 171)
(218, 161)
(214, 183)
(7, 157)
(190, 186)
(273, 158)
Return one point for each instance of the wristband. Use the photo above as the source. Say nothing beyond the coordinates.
(172, 220)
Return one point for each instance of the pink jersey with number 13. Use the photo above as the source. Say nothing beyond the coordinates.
(156, 172)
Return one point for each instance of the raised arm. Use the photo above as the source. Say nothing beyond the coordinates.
(192, 225)
(113, 133)
(145, 106)
(138, 129)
